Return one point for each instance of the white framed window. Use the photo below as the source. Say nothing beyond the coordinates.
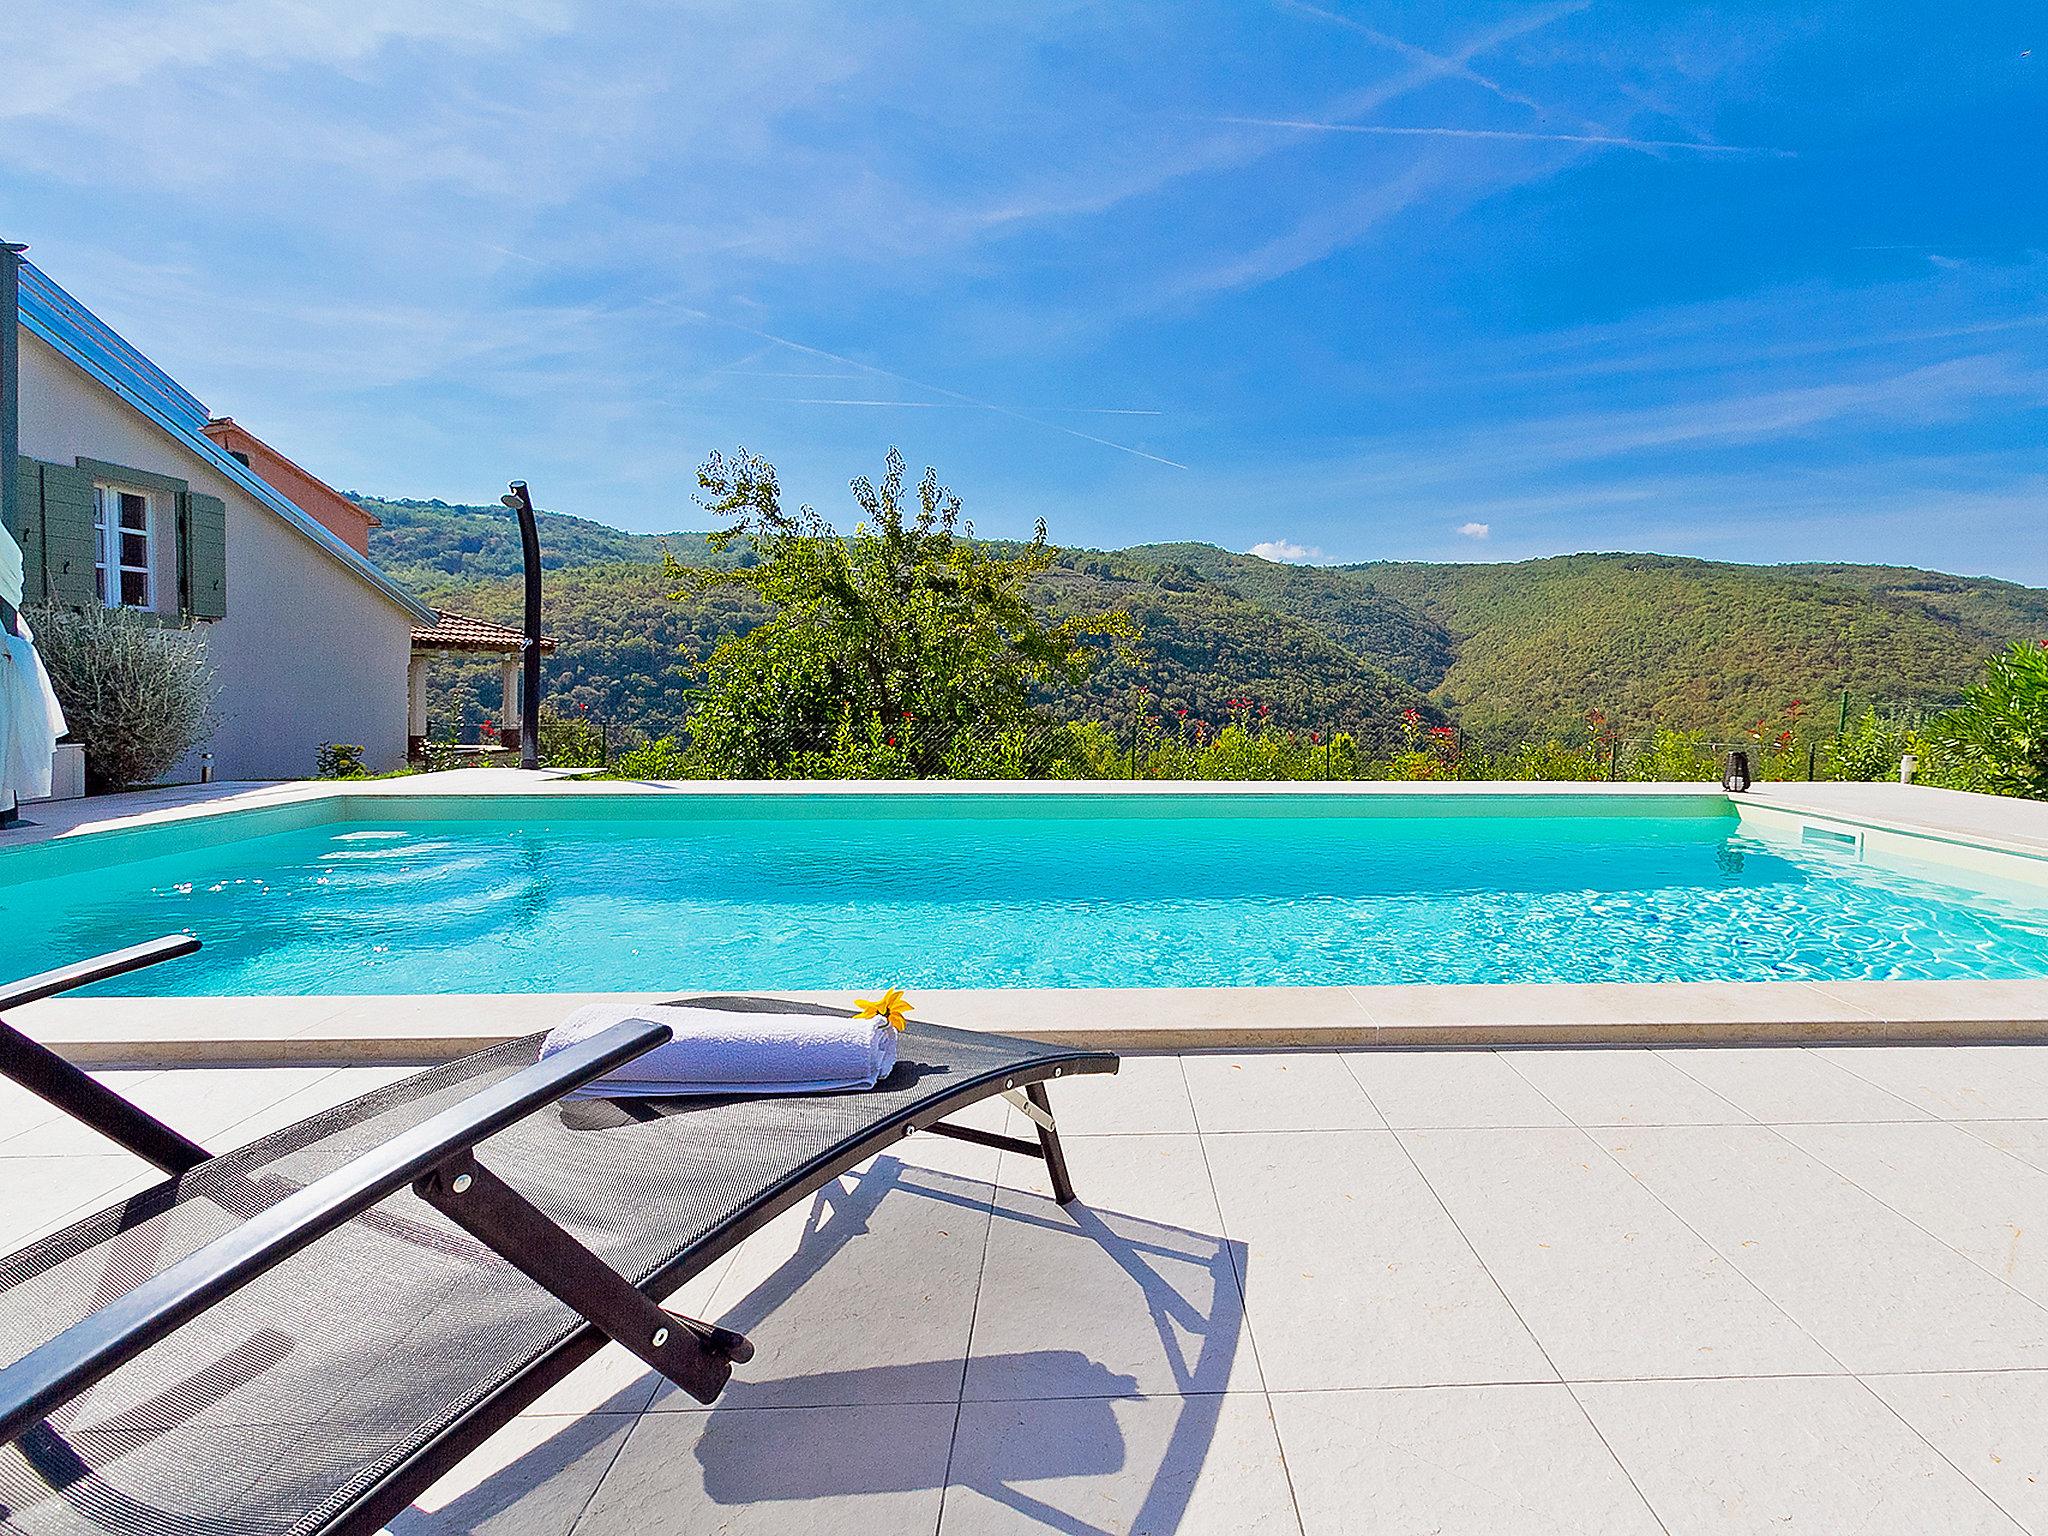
(122, 570)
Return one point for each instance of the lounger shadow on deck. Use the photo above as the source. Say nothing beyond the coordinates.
(735, 1455)
(434, 1256)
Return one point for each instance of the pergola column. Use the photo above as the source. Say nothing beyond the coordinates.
(512, 715)
(416, 707)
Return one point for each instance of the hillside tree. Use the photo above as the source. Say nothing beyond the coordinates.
(896, 649)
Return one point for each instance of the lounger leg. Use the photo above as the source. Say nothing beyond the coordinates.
(54, 1080)
(1049, 1145)
(698, 1357)
(1033, 1105)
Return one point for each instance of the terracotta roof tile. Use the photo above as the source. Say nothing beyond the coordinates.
(460, 632)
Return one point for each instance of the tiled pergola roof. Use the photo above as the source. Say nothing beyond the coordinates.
(460, 632)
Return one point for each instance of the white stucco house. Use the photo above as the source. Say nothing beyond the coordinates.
(122, 497)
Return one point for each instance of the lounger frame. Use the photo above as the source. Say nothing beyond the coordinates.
(437, 1159)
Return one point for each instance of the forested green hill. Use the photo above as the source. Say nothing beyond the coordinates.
(1357, 615)
(1993, 611)
(423, 543)
(1507, 650)
(1687, 644)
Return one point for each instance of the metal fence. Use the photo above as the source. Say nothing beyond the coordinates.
(1152, 752)
(1248, 743)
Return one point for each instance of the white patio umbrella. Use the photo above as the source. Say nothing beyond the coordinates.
(31, 720)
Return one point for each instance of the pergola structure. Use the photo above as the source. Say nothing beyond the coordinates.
(459, 632)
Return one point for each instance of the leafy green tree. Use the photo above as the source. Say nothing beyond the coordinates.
(1997, 738)
(902, 650)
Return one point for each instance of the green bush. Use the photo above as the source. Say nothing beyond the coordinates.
(662, 758)
(1996, 740)
(1871, 748)
(570, 741)
(137, 692)
(339, 760)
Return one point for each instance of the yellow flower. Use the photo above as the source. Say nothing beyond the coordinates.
(892, 1007)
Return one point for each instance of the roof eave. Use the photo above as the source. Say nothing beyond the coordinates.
(197, 442)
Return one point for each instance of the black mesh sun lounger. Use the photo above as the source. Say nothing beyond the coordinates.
(301, 1335)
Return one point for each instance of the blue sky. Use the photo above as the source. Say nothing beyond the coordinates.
(1336, 279)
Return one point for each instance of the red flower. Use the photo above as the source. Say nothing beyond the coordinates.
(1265, 709)
(1411, 715)
(906, 714)
(892, 741)
(1183, 714)
(1316, 737)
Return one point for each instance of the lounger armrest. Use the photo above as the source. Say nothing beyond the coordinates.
(54, 1373)
(68, 978)
(49, 1076)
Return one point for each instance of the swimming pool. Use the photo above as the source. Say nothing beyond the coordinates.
(854, 890)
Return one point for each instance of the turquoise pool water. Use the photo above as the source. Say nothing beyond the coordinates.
(854, 893)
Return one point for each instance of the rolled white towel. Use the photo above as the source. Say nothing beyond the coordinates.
(734, 1051)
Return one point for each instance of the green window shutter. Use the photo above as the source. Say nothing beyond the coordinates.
(206, 556)
(25, 522)
(67, 537)
(181, 531)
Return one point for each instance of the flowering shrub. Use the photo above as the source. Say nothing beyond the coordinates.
(137, 692)
(1997, 739)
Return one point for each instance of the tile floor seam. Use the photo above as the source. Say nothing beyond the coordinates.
(1541, 1348)
(1733, 1267)
(1244, 1312)
(55, 1113)
(1970, 1259)
(1624, 1381)
(1814, 1052)
(1870, 1082)
(610, 1466)
(1829, 1061)
(1050, 1397)
(225, 1131)
(1244, 1317)
(92, 1207)
(1965, 1126)
(988, 1232)
(1880, 1087)
(1940, 1455)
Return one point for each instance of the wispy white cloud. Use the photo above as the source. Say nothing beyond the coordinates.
(1599, 140)
(71, 60)
(1457, 68)
(953, 405)
(1475, 530)
(1285, 551)
(951, 395)
(1321, 232)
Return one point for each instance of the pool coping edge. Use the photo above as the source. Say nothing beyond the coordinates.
(400, 1030)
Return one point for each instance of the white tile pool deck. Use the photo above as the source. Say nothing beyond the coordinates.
(1488, 1291)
